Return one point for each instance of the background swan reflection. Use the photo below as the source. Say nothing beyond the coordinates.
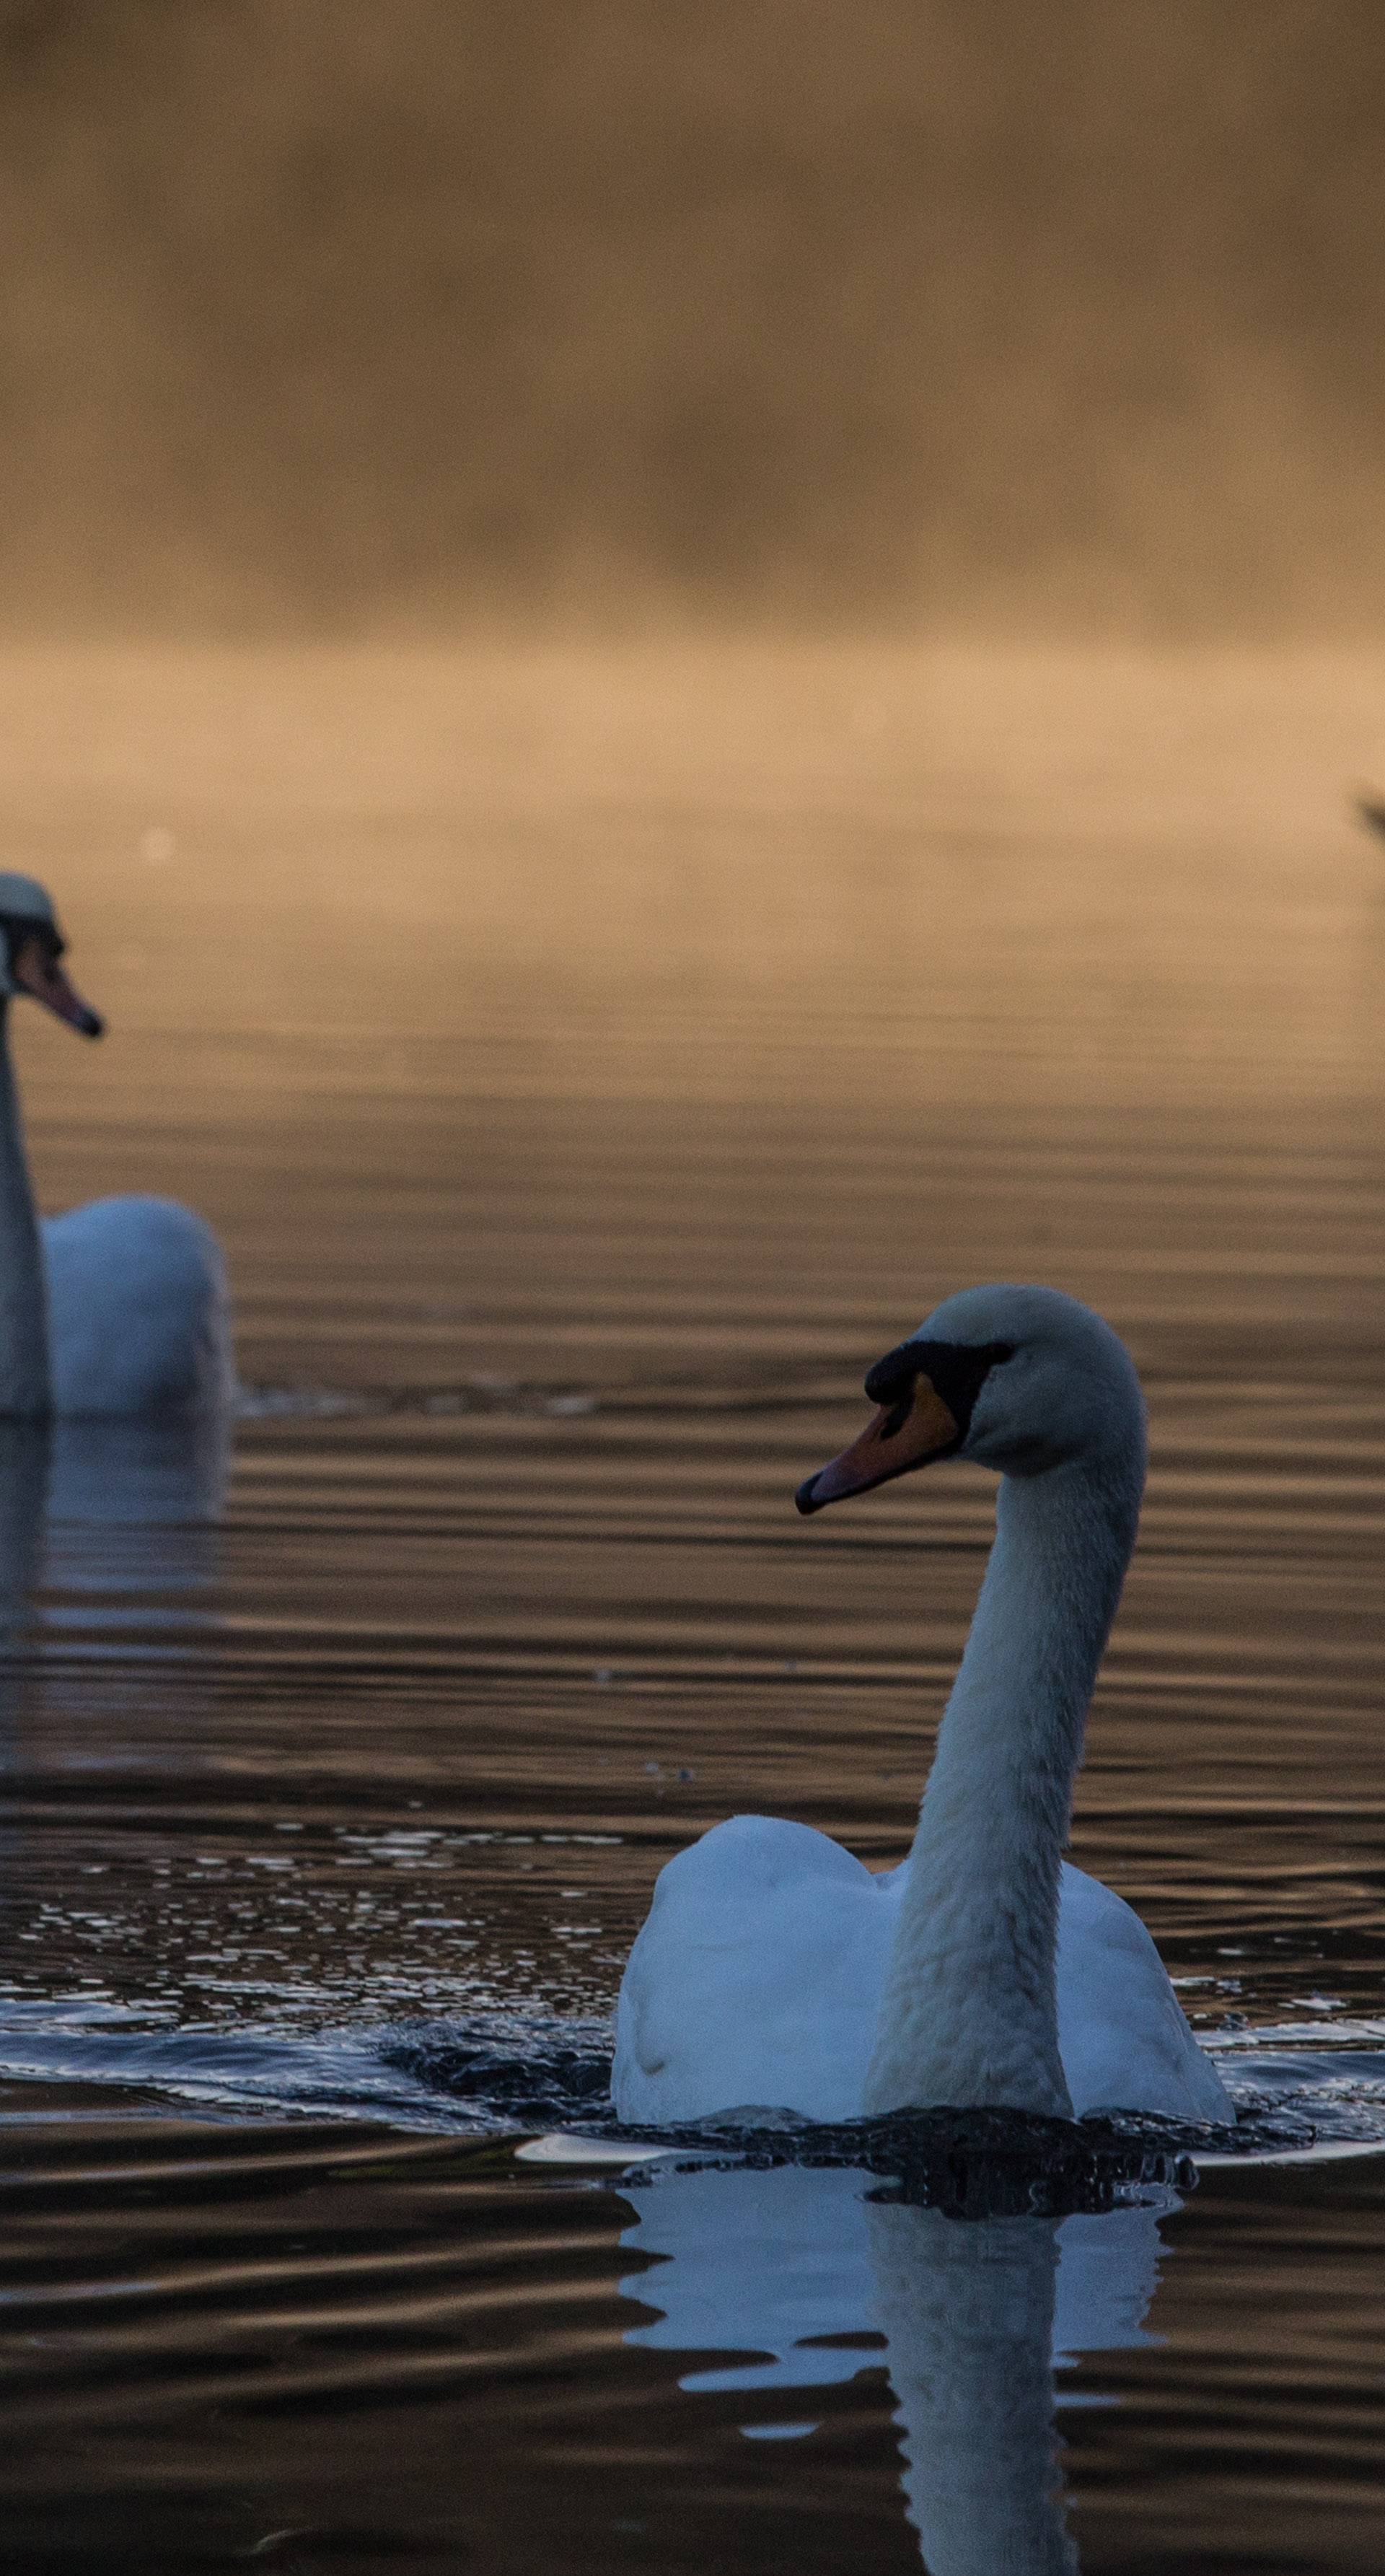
(123, 1513)
(129, 1514)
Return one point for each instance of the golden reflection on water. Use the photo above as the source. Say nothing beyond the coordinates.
(666, 1030)
(735, 872)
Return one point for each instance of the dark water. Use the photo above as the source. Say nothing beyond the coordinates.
(583, 1109)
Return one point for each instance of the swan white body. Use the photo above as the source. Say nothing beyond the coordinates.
(775, 1972)
(757, 1981)
(114, 1310)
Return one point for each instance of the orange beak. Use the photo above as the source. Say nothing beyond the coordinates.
(34, 967)
(900, 1437)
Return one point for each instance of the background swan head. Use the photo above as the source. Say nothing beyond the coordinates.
(1019, 1379)
(31, 947)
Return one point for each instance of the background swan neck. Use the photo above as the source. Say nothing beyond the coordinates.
(24, 1382)
(969, 2015)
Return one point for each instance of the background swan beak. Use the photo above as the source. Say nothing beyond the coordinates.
(36, 971)
(901, 1436)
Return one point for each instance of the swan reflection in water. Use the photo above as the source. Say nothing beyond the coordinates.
(143, 1472)
(132, 1523)
(23, 1493)
(972, 2318)
(120, 1513)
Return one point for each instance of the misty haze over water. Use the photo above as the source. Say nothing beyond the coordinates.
(924, 311)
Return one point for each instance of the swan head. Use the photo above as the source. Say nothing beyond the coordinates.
(1019, 1379)
(31, 947)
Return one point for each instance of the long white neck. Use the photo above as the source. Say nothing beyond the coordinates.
(24, 1382)
(969, 2015)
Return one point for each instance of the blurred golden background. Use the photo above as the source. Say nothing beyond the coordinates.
(921, 310)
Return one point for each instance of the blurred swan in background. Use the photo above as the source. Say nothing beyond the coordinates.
(116, 1309)
(776, 1972)
(794, 2267)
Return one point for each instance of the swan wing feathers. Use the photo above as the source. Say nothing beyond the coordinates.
(1124, 2037)
(754, 1981)
(755, 1984)
(138, 1309)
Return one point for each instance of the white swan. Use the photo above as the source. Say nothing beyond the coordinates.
(774, 1971)
(118, 1308)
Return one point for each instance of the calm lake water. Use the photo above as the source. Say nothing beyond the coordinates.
(592, 1061)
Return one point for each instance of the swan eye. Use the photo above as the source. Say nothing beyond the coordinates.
(44, 935)
(956, 1371)
(893, 1379)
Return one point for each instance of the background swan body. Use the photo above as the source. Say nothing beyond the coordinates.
(115, 1310)
(139, 1313)
(775, 1971)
